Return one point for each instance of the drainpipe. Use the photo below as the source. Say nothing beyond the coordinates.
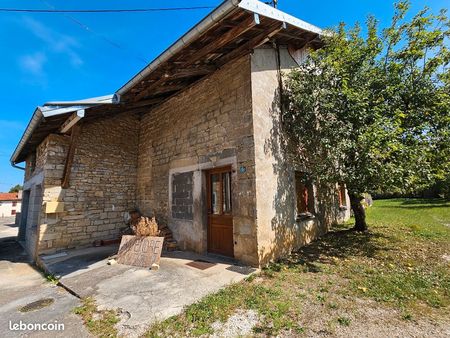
(16, 166)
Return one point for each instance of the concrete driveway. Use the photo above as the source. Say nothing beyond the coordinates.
(8, 227)
(141, 295)
(22, 285)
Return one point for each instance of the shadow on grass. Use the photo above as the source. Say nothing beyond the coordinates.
(340, 243)
(416, 203)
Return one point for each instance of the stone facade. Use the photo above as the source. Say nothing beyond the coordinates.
(206, 125)
(102, 183)
(158, 162)
(279, 228)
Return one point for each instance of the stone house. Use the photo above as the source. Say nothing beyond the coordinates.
(194, 139)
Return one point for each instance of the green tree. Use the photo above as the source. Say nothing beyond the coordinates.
(16, 188)
(372, 110)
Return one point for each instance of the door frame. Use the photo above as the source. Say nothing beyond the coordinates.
(208, 173)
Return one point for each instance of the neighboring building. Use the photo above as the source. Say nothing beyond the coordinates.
(10, 203)
(195, 139)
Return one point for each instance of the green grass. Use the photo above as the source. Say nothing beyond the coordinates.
(398, 263)
(99, 323)
(51, 278)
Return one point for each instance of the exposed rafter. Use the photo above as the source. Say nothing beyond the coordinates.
(248, 46)
(221, 41)
(71, 121)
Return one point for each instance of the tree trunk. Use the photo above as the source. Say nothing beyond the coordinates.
(359, 212)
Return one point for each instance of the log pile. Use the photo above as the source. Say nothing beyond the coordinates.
(145, 226)
(170, 244)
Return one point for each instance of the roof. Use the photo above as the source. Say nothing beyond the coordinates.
(47, 119)
(230, 31)
(9, 196)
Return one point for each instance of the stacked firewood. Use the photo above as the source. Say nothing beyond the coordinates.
(170, 244)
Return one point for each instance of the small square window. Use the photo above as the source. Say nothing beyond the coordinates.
(13, 212)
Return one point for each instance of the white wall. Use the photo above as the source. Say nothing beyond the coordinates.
(7, 206)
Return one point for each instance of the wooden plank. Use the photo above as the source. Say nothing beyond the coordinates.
(243, 27)
(233, 33)
(158, 85)
(65, 182)
(71, 121)
(248, 46)
(140, 251)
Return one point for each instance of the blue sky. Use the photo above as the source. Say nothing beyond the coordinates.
(47, 57)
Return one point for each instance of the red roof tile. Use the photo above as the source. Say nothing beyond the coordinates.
(9, 196)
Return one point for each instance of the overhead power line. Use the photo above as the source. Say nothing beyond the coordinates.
(123, 10)
(101, 36)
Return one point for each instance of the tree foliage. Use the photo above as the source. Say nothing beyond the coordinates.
(372, 109)
(16, 188)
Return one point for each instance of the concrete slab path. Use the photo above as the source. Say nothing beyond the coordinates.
(21, 284)
(144, 296)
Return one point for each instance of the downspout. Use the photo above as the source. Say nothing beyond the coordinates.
(16, 166)
(279, 75)
(280, 80)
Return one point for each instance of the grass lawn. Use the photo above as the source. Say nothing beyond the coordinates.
(394, 277)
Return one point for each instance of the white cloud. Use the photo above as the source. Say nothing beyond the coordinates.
(55, 42)
(34, 63)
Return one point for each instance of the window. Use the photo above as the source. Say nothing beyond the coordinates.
(226, 190)
(342, 195)
(304, 195)
(220, 185)
(14, 203)
(13, 212)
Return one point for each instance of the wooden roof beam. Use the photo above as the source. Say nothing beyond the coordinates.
(177, 74)
(233, 33)
(71, 121)
(248, 46)
(65, 182)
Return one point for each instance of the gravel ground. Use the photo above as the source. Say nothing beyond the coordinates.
(240, 324)
(365, 319)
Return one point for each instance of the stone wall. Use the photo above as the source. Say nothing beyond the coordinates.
(102, 183)
(159, 161)
(206, 125)
(279, 230)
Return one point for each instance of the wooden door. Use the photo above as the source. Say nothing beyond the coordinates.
(220, 215)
